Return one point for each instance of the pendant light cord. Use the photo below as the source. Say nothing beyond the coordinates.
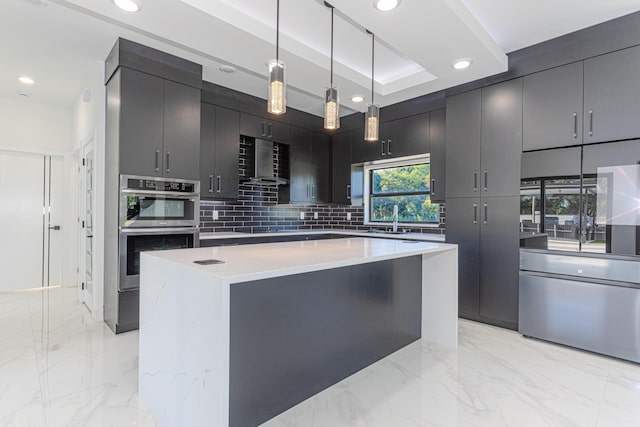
(372, 63)
(277, 29)
(332, 46)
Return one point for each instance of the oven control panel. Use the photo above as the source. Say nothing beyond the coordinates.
(160, 185)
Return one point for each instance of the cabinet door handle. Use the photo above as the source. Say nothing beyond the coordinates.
(389, 146)
(475, 180)
(168, 157)
(219, 184)
(575, 125)
(264, 129)
(433, 187)
(210, 183)
(486, 214)
(485, 179)
(157, 160)
(270, 128)
(382, 147)
(348, 191)
(590, 122)
(475, 213)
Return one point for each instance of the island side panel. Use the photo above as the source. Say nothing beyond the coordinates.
(184, 336)
(293, 336)
(440, 297)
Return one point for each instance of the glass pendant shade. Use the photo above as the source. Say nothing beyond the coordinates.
(331, 109)
(372, 123)
(277, 103)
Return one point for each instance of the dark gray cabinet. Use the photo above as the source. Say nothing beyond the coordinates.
(181, 130)
(463, 215)
(484, 141)
(405, 137)
(552, 107)
(438, 151)
(612, 96)
(484, 144)
(159, 126)
(310, 166)
(499, 259)
(321, 159)
(259, 127)
(364, 151)
(341, 167)
(464, 120)
(219, 152)
(501, 141)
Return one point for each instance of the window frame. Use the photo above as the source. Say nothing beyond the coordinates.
(368, 196)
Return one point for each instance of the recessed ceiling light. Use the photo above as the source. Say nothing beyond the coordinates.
(357, 98)
(129, 5)
(26, 80)
(227, 69)
(386, 5)
(24, 93)
(461, 64)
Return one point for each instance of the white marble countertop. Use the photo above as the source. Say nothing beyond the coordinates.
(380, 235)
(264, 260)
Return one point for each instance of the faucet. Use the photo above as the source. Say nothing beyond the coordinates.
(395, 218)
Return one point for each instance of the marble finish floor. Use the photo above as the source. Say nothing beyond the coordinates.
(60, 368)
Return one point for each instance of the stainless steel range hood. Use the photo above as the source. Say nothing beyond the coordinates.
(263, 165)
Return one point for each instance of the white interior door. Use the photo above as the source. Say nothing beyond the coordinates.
(21, 220)
(31, 191)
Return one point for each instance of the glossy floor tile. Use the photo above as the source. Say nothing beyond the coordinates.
(60, 368)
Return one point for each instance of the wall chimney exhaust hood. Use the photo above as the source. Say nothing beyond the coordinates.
(261, 159)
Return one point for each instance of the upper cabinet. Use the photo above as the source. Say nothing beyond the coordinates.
(437, 149)
(612, 96)
(398, 138)
(219, 153)
(259, 127)
(159, 125)
(310, 166)
(341, 165)
(596, 100)
(552, 108)
(484, 141)
(405, 137)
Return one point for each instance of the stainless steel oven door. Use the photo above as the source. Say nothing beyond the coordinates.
(133, 241)
(139, 208)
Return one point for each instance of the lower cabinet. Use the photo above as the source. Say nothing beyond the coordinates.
(486, 232)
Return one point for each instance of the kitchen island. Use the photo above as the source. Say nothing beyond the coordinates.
(252, 330)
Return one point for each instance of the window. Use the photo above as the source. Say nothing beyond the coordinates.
(404, 183)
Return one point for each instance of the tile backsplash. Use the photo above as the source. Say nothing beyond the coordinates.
(257, 211)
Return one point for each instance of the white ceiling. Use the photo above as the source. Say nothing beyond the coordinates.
(58, 45)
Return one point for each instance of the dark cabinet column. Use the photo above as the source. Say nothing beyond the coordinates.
(321, 159)
(463, 144)
(499, 259)
(207, 151)
(227, 153)
(501, 144)
(300, 165)
(141, 123)
(341, 168)
(463, 217)
(437, 144)
(181, 131)
(612, 96)
(552, 108)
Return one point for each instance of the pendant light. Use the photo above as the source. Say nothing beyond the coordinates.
(277, 103)
(331, 101)
(372, 118)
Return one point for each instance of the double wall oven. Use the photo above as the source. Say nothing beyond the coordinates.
(155, 214)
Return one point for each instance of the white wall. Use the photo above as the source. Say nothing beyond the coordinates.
(88, 122)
